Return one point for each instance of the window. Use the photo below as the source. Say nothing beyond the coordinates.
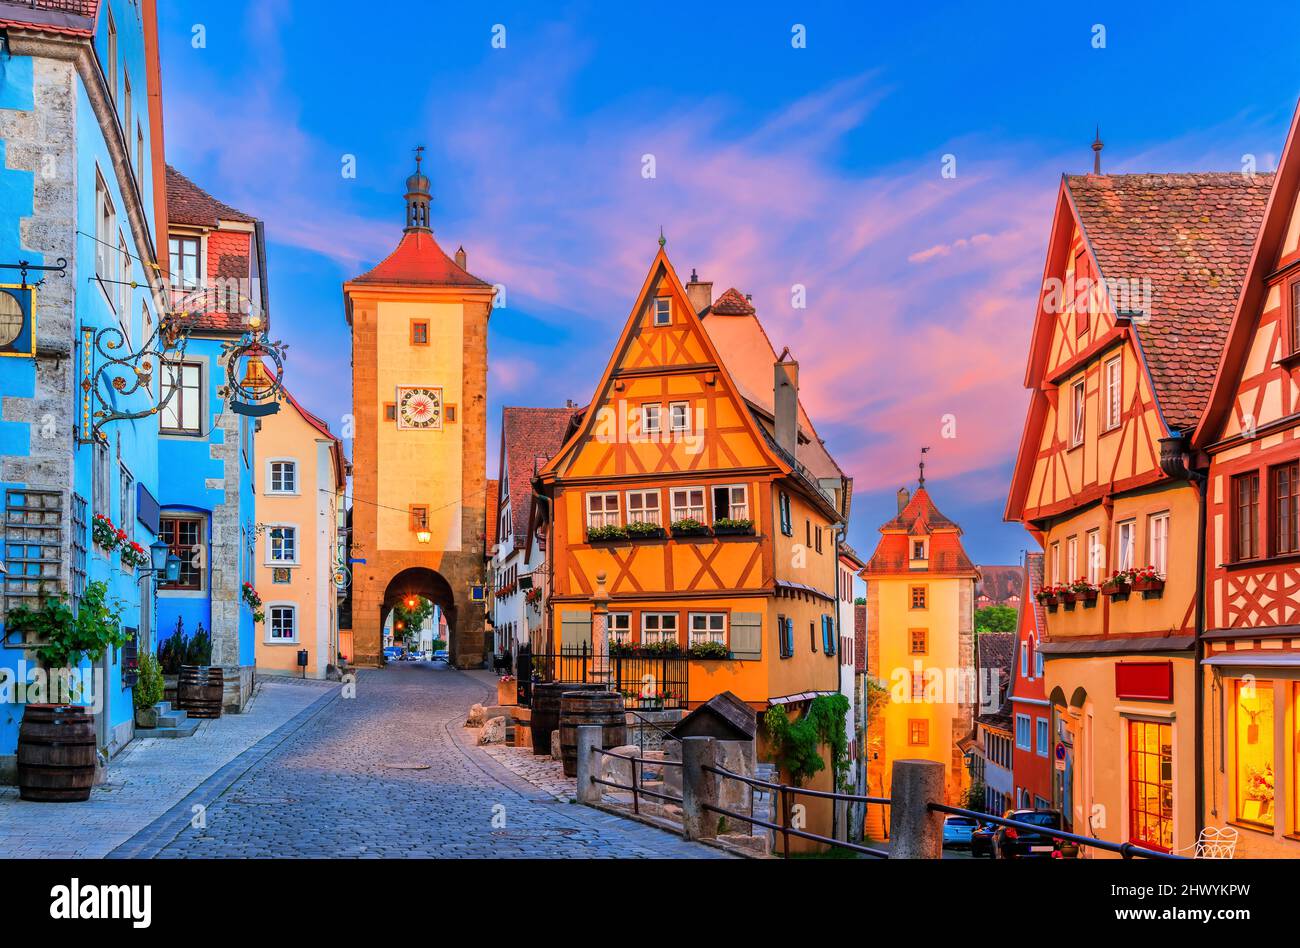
(419, 332)
(1124, 544)
(679, 416)
(918, 641)
(124, 288)
(105, 232)
(1038, 663)
(1295, 316)
(658, 627)
(1072, 558)
(1286, 507)
(918, 597)
(284, 477)
(1024, 659)
(1114, 392)
(126, 103)
(184, 262)
(282, 625)
(643, 507)
(785, 634)
(663, 311)
(126, 501)
(817, 539)
(1158, 542)
(110, 51)
(620, 628)
(918, 732)
(282, 545)
(1022, 732)
(1044, 736)
(183, 392)
(602, 511)
(1056, 564)
(1077, 401)
(812, 636)
(688, 503)
(1151, 784)
(449, 413)
(146, 324)
(419, 514)
(708, 627)
(1096, 556)
(184, 537)
(731, 503)
(1254, 751)
(1245, 507)
(101, 497)
(918, 549)
(828, 635)
(139, 156)
(787, 521)
(650, 418)
(390, 411)
(1082, 292)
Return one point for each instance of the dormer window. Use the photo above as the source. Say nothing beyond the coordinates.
(918, 550)
(663, 311)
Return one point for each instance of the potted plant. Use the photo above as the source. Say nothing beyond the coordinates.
(689, 527)
(254, 601)
(1118, 585)
(171, 656)
(607, 534)
(134, 555)
(105, 535)
(666, 648)
(1148, 580)
(1083, 591)
(641, 530)
(725, 526)
(148, 691)
(1048, 597)
(708, 650)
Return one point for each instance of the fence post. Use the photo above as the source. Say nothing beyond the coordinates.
(590, 739)
(699, 787)
(916, 831)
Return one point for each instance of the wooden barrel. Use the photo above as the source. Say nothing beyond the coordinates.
(200, 691)
(601, 708)
(56, 753)
(546, 710)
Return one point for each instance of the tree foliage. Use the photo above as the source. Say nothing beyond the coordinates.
(798, 743)
(995, 619)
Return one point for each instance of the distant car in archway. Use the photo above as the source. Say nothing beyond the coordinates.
(441, 656)
(393, 653)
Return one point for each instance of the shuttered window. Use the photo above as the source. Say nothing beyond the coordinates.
(575, 628)
(747, 635)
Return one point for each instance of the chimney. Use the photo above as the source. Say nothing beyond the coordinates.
(460, 257)
(904, 497)
(700, 294)
(785, 402)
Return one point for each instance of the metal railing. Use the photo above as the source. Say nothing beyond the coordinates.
(1127, 850)
(647, 682)
(785, 794)
(638, 779)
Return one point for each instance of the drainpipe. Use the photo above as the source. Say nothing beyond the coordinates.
(1175, 452)
(548, 563)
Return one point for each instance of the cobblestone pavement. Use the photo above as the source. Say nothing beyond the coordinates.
(148, 777)
(544, 773)
(391, 773)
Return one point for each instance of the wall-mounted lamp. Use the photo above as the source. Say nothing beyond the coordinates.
(423, 536)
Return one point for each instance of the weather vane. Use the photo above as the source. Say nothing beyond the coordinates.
(921, 479)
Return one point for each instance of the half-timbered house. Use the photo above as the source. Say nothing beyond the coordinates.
(1139, 286)
(1251, 654)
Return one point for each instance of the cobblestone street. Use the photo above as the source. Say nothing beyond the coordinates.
(391, 773)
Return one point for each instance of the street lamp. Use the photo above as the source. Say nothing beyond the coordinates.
(158, 551)
(423, 536)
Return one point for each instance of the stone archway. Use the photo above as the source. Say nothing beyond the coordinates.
(419, 581)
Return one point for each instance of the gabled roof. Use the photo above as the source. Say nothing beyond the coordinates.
(66, 17)
(732, 303)
(529, 438)
(187, 203)
(1000, 583)
(1191, 235)
(920, 516)
(419, 261)
(996, 651)
(340, 462)
(1250, 304)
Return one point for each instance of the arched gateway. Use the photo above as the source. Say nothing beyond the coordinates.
(419, 388)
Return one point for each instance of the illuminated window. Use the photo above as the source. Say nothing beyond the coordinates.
(918, 597)
(918, 732)
(1255, 778)
(1151, 784)
(419, 517)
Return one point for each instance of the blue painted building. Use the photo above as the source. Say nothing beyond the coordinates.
(81, 178)
(217, 263)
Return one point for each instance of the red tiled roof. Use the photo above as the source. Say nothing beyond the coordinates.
(860, 637)
(996, 651)
(529, 438)
(336, 445)
(187, 203)
(490, 511)
(1035, 582)
(420, 261)
(66, 17)
(920, 517)
(732, 303)
(1191, 235)
(1000, 583)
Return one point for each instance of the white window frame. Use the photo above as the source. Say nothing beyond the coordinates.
(684, 512)
(1024, 659)
(126, 500)
(619, 628)
(271, 541)
(1158, 541)
(679, 416)
(1038, 663)
(1042, 736)
(606, 517)
(640, 512)
(105, 230)
(270, 477)
(1056, 563)
(177, 274)
(168, 371)
(662, 311)
(1095, 554)
(1114, 377)
(1125, 551)
(707, 633)
(123, 289)
(649, 635)
(735, 510)
(271, 608)
(1072, 558)
(1078, 411)
(1026, 744)
(652, 418)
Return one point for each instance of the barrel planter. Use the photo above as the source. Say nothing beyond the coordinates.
(56, 753)
(604, 709)
(546, 709)
(200, 691)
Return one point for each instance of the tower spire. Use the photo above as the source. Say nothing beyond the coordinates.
(921, 478)
(418, 197)
(1097, 146)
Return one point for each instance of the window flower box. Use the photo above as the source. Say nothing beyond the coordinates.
(706, 651)
(606, 534)
(733, 528)
(689, 527)
(644, 531)
(1147, 580)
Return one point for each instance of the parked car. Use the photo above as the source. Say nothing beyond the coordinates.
(440, 655)
(1012, 843)
(393, 652)
(981, 840)
(957, 830)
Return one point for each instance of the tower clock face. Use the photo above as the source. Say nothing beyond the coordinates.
(12, 320)
(419, 407)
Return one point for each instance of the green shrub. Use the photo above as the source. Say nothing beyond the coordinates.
(708, 650)
(199, 651)
(798, 743)
(638, 528)
(172, 650)
(148, 689)
(606, 533)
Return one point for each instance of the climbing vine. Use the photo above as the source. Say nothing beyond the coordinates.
(797, 744)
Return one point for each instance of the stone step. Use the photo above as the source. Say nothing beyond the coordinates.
(184, 729)
(162, 707)
(172, 718)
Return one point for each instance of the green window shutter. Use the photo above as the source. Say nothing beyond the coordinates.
(575, 629)
(747, 635)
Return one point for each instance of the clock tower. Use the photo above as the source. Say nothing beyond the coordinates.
(419, 388)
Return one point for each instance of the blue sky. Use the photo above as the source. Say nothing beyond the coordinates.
(774, 166)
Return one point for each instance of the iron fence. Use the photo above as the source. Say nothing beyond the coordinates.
(647, 682)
